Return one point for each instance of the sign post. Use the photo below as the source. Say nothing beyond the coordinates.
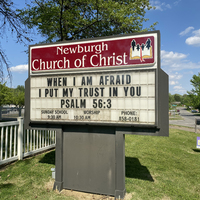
(95, 91)
(197, 122)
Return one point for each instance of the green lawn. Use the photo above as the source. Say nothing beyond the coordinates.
(167, 168)
(196, 114)
(156, 168)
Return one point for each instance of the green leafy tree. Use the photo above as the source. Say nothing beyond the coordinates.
(59, 20)
(183, 98)
(18, 96)
(187, 101)
(177, 97)
(5, 94)
(194, 94)
(171, 100)
(12, 96)
(20, 88)
(20, 99)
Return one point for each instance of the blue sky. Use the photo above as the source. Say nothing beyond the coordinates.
(178, 22)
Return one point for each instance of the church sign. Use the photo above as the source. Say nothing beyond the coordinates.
(108, 53)
(109, 80)
(93, 92)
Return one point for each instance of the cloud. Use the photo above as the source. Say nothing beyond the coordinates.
(171, 59)
(173, 82)
(173, 63)
(176, 76)
(19, 68)
(177, 2)
(178, 67)
(179, 89)
(167, 6)
(195, 39)
(171, 55)
(160, 6)
(177, 61)
(186, 31)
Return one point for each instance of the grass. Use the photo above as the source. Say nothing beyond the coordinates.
(196, 114)
(28, 179)
(175, 117)
(168, 169)
(156, 168)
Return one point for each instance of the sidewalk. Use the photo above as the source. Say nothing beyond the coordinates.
(185, 128)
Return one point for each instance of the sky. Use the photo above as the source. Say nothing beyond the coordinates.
(178, 22)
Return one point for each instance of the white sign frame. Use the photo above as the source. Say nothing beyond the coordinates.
(48, 117)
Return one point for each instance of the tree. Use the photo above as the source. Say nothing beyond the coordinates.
(194, 94)
(9, 21)
(187, 101)
(20, 88)
(18, 97)
(184, 98)
(60, 20)
(171, 98)
(177, 97)
(14, 96)
(5, 95)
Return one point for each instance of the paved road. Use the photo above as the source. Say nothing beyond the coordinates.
(188, 118)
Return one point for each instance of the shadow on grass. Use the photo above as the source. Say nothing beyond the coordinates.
(134, 169)
(196, 150)
(49, 158)
(6, 186)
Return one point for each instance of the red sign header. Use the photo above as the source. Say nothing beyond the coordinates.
(112, 52)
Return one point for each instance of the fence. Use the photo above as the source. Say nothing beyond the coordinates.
(17, 143)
